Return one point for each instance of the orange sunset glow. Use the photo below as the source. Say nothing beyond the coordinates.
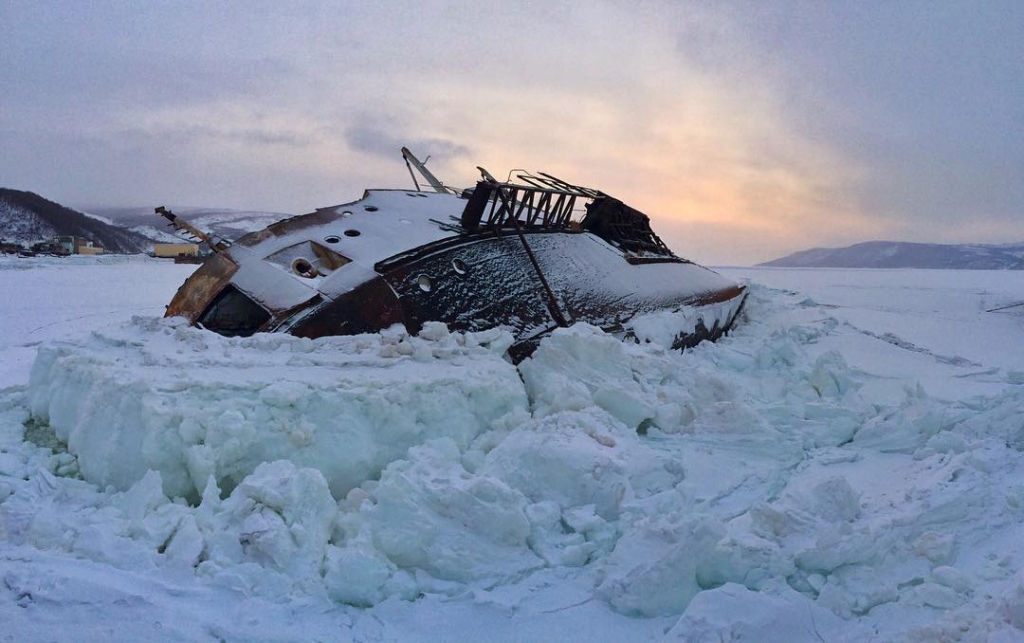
(746, 132)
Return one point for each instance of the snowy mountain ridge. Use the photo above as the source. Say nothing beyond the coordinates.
(26, 218)
(20, 225)
(902, 254)
(223, 222)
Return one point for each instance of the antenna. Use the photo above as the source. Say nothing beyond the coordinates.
(412, 174)
(995, 310)
(411, 161)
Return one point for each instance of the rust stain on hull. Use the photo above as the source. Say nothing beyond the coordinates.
(204, 284)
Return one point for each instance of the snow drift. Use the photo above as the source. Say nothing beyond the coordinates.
(759, 485)
(161, 396)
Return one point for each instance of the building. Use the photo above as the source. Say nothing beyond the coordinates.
(171, 250)
(79, 245)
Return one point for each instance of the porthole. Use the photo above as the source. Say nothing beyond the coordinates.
(352, 233)
(346, 213)
(370, 208)
(459, 266)
(303, 268)
(332, 239)
(412, 194)
(424, 283)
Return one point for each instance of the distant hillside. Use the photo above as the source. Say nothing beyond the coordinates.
(899, 254)
(229, 224)
(26, 217)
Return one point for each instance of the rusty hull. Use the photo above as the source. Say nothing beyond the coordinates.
(206, 282)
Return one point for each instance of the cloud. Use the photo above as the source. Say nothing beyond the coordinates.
(370, 135)
(767, 128)
(920, 98)
(196, 134)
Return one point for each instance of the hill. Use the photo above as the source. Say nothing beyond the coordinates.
(900, 254)
(228, 224)
(26, 217)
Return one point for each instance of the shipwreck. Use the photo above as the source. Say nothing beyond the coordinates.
(528, 255)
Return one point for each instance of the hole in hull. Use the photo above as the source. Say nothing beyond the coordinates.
(304, 268)
(233, 313)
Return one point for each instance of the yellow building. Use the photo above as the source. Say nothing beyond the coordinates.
(171, 250)
(78, 245)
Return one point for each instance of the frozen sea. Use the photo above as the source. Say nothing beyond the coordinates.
(847, 465)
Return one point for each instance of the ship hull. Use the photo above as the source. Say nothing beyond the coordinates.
(528, 282)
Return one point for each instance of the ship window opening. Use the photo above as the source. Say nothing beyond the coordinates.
(233, 313)
(304, 268)
(346, 213)
(370, 208)
(352, 233)
(459, 266)
(424, 283)
(332, 239)
(410, 194)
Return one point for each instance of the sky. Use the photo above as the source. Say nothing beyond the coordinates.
(746, 130)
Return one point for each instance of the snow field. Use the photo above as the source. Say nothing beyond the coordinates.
(789, 483)
(49, 298)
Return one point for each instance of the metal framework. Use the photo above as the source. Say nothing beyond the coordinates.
(542, 202)
(216, 242)
(542, 208)
(625, 227)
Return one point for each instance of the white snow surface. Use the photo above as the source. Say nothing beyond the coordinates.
(848, 464)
